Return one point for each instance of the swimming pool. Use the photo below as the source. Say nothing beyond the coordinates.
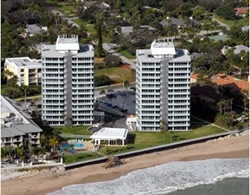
(66, 146)
(78, 144)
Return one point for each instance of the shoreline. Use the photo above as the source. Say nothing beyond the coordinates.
(47, 181)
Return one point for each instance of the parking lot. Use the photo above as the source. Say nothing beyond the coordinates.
(122, 100)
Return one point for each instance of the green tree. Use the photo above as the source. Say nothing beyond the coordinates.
(198, 12)
(98, 25)
(226, 11)
(53, 142)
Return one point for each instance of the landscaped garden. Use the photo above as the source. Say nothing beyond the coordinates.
(139, 140)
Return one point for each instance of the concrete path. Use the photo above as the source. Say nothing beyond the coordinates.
(110, 48)
(221, 23)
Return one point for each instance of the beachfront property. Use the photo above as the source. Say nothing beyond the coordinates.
(28, 71)
(110, 136)
(17, 126)
(68, 82)
(163, 87)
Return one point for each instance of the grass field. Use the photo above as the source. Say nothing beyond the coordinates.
(126, 54)
(71, 158)
(79, 130)
(67, 9)
(242, 21)
(140, 140)
(117, 74)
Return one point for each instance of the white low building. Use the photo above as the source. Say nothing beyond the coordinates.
(110, 136)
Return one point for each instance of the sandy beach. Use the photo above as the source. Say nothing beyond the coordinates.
(48, 181)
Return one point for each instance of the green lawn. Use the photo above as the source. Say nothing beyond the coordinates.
(126, 54)
(67, 9)
(79, 130)
(90, 27)
(83, 156)
(117, 74)
(140, 140)
(242, 21)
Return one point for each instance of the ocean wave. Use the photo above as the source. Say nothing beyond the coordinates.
(165, 178)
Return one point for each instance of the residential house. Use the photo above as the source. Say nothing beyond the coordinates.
(236, 49)
(28, 71)
(241, 11)
(223, 79)
(33, 29)
(17, 126)
(127, 30)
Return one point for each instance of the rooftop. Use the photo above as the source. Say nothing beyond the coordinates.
(241, 10)
(14, 123)
(163, 47)
(33, 29)
(239, 48)
(24, 62)
(64, 43)
(110, 134)
(219, 37)
(223, 79)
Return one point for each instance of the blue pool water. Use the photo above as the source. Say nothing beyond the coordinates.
(78, 144)
(66, 146)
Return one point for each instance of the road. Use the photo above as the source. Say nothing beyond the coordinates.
(221, 23)
(110, 48)
(69, 19)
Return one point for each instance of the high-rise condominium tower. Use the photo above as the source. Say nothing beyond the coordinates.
(163, 87)
(68, 82)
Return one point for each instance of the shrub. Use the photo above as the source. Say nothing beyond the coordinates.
(102, 80)
(112, 61)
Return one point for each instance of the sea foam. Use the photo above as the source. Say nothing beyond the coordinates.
(164, 178)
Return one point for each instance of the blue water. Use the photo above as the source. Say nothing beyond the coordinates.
(78, 144)
(229, 186)
(218, 176)
(67, 146)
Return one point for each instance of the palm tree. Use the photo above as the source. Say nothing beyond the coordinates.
(53, 142)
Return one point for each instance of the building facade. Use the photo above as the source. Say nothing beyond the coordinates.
(28, 71)
(67, 82)
(163, 87)
(16, 126)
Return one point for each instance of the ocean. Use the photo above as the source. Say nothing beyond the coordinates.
(203, 177)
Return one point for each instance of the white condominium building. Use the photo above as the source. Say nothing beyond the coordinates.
(163, 87)
(68, 82)
(28, 71)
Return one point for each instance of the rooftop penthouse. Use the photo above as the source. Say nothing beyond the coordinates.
(162, 48)
(64, 43)
(68, 45)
